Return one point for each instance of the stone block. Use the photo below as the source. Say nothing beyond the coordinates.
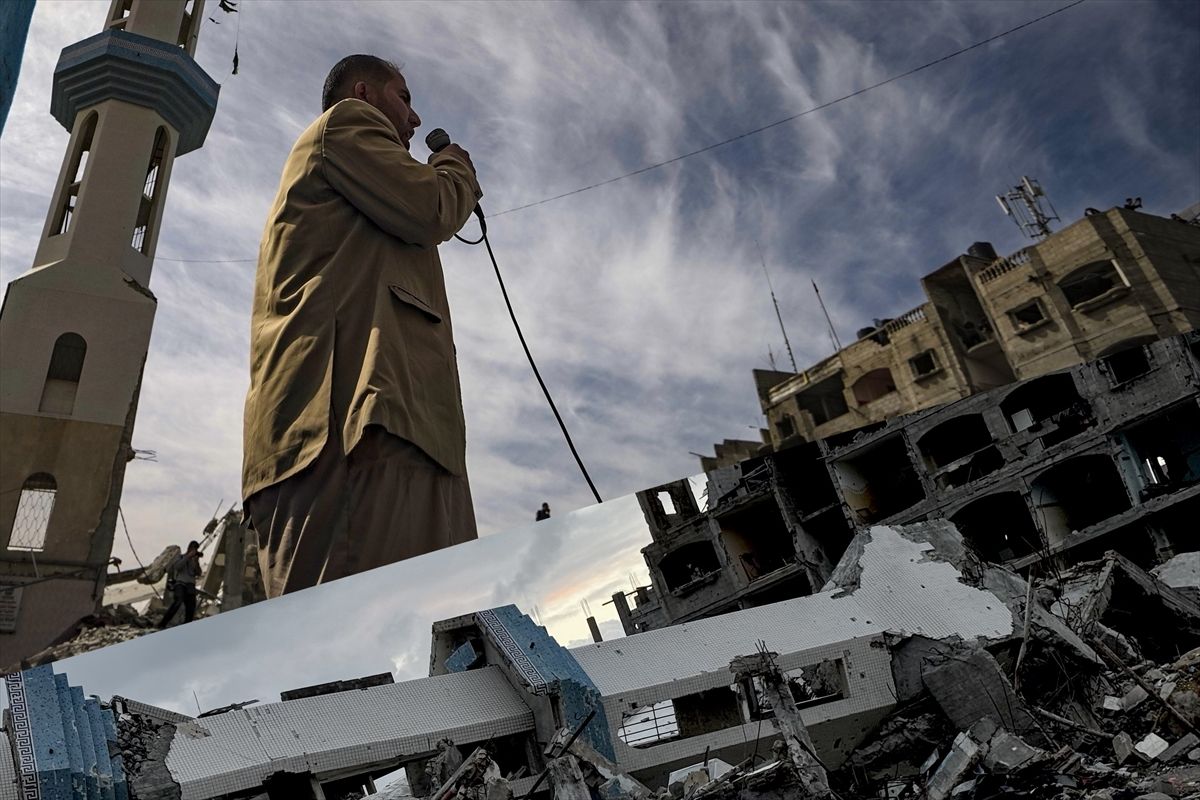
(1179, 748)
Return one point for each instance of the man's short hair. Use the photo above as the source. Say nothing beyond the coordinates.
(193, 545)
(352, 69)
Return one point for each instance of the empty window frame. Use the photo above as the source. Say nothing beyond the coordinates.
(62, 377)
(1091, 282)
(32, 519)
(187, 27)
(786, 427)
(151, 191)
(812, 685)
(1027, 316)
(873, 385)
(119, 15)
(924, 364)
(73, 177)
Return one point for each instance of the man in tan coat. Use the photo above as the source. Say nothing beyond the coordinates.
(355, 445)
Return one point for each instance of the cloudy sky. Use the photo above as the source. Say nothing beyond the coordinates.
(644, 300)
(380, 621)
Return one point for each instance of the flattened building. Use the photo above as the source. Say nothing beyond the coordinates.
(650, 703)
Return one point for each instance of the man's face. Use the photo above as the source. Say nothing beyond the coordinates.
(394, 100)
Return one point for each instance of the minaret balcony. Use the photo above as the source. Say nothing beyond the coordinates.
(117, 65)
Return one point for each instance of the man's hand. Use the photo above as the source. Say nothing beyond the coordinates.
(459, 153)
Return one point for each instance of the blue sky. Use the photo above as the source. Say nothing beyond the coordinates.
(643, 301)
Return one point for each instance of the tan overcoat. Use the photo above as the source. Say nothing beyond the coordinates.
(350, 317)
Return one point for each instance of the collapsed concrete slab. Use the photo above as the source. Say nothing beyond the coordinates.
(514, 684)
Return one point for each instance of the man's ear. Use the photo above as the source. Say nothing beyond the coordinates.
(360, 90)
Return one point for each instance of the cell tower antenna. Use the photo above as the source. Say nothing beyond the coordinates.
(778, 316)
(833, 337)
(1029, 208)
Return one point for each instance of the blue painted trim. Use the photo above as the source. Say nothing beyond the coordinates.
(118, 65)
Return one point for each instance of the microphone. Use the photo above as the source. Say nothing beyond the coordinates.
(436, 141)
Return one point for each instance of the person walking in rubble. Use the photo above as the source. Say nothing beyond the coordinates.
(543, 513)
(181, 583)
(354, 441)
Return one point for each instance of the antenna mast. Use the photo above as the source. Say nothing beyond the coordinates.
(1024, 204)
(837, 343)
(775, 302)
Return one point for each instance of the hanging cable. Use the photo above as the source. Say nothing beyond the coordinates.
(129, 539)
(536, 373)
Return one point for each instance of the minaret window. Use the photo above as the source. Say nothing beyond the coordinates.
(150, 194)
(62, 379)
(33, 513)
(74, 176)
(120, 13)
(187, 27)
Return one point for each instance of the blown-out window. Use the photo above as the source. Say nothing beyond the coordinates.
(1091, 282)
(33, 513)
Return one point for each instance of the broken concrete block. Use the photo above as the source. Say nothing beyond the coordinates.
(963, 756)
(973, 687)
(694, 781)
(1133, 698)
(1194, 755)
(1122, 746)
(1008, 753)
(1112, 703)
(1179, 748)
(1165, 690)
(1151, 746)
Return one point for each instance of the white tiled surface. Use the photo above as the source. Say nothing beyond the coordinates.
(835, 726)
(8, 771)
(237, 750)
(899, 591)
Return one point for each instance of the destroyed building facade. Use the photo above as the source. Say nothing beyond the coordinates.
(75, 328)
(1100, 287)
(1061, 467)
(913, 640)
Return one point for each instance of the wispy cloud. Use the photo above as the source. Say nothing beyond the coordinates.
(643, 301)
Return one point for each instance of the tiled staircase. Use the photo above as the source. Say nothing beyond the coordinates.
(64, 746)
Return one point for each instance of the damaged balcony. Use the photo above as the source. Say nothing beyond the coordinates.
(1046, 411)
(879, 480)
(959, 451)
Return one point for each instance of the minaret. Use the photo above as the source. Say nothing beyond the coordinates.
(74, 330)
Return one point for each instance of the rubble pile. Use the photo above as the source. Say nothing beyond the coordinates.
(1096, 696)
(111, 625)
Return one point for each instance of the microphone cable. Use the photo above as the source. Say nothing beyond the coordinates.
(536, 373)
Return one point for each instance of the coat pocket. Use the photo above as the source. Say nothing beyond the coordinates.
(405, 296)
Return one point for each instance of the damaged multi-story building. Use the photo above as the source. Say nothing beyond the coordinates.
(910, 619)
(1102, 286)
(1058, 468)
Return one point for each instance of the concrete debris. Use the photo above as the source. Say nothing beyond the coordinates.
(157, 568)
(797, 745)
(1181, 573)
(1077, 685)
(1122, 747)
(1152, 746)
